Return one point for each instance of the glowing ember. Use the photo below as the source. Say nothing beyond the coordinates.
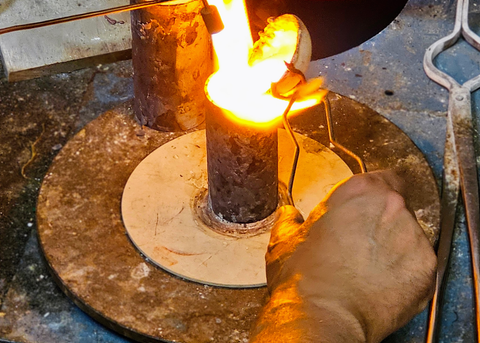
(246, 71)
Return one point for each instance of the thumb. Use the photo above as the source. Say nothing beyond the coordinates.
(285, 236)
(287, 222)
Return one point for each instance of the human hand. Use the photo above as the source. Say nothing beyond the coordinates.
(359, 268)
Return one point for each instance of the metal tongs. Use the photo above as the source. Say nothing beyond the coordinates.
(459, 165)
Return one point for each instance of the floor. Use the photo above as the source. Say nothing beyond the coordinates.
(38, 117)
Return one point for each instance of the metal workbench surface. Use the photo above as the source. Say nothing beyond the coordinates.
(39, 116)
(386, 73)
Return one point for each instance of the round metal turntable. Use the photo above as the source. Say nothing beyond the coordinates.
(167, 216)
(92, 259)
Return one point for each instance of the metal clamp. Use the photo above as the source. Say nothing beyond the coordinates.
(331, 137)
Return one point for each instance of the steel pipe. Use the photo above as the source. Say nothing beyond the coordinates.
(242, 164)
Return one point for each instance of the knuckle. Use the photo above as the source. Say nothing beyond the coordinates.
(394, 205)
(394, 199)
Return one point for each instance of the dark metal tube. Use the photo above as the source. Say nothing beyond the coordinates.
(172, 58)
(242, 163)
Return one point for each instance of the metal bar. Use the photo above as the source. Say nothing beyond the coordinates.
(441, 45)
(468, 34)
(474, 40)
(289, 130)
(87, 15)
(450, 192)
(331, 136)
(461, 113)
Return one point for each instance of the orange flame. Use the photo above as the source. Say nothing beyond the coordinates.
(242, 88)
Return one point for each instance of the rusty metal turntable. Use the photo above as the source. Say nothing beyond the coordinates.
(93, 261)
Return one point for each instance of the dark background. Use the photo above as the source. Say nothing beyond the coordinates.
(334, 25)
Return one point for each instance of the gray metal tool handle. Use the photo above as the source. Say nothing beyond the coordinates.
(450, 192)
(461, 114)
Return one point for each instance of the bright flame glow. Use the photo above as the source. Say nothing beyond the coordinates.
(241, 88)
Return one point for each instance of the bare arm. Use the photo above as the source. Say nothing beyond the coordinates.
(359, 268)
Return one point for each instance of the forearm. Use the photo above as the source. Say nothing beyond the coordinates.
(289, 317)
